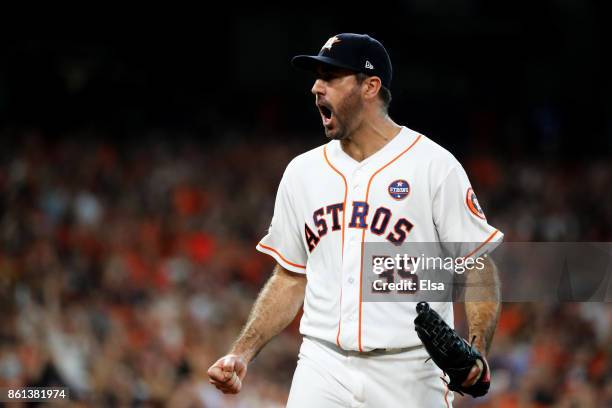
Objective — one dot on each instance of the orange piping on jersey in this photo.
(483, 244)
(281, 257)
(364, 231)
(339, 320)
(343, 218)
(345, 193)
(446, 395)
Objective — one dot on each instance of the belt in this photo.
(374, 352)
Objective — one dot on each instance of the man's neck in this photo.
(370, 137)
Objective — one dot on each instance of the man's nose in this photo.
(318, 88)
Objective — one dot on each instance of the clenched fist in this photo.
(227, 373)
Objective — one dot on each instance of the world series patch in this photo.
(399, 189)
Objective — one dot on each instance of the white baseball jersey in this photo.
(328, 205)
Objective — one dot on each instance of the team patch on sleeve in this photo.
(473, 205)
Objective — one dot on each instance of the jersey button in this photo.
(351, 280)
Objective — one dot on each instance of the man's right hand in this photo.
(227, 373)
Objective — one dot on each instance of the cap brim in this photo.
(311, 62)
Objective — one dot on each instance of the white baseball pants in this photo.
(328, 377)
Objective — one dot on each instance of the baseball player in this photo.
(374, 181)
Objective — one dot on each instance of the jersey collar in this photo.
(347, 164)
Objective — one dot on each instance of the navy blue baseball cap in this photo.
(355, 52)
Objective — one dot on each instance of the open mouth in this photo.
(326, 113)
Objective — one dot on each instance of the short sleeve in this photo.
(284, 239)
(459, 219)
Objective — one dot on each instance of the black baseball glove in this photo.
(450, 352)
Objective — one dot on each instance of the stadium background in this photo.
(137, 175)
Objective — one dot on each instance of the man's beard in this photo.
(346, 115)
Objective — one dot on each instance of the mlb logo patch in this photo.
(399, 189)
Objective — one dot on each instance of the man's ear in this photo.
(371, 86)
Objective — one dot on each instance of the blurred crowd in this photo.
(128, 266)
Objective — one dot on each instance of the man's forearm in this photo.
(482, 304)
(275, 307)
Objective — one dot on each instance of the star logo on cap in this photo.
(330, 42)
